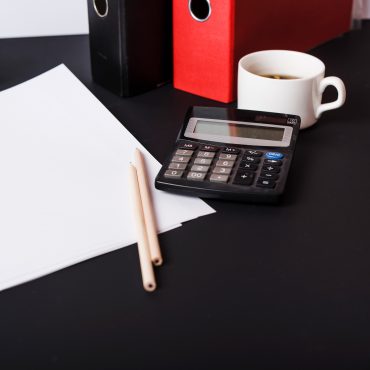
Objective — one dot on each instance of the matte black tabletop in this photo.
(250, 287)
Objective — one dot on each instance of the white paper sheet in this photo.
(63, 187)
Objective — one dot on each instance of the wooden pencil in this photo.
(149, 215)
(146, 266)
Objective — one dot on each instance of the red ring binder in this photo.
(206, 53)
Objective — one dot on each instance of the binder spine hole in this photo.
(101, 7)
(200, 10)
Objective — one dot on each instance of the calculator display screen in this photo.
(248, 131)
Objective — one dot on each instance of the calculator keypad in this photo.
(229, 157)
(271, 169)
(218, 178)
(273, 162)
(222, 170)
(265, 183)
(209, 148)
(203, 154)
(184, 152)
(175, 174)
(254, 153)
(199, 168)
(248, 166)
(180, 159)
(177, 166)
(197, 176)
(244, 178)
(231, 150)
(268, 175)
(222, 164)
(250, 159)
(190, 146)
(204, 161)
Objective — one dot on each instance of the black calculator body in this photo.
(229, 153)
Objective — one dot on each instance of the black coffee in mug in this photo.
(279, 76)
(299, 90)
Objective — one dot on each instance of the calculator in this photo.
(229, 153)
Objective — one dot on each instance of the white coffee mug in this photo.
(298, 91)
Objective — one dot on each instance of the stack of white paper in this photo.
(64, 195)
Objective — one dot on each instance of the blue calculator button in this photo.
(274, 155)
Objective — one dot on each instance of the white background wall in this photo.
(22, 18)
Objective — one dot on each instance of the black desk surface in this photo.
(250, 287)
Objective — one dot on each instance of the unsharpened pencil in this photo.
(146, 266)
(149, 215)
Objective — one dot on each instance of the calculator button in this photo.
(271, 169)
(274, 155)
(189, 146)
(204, 161)
(269, 175)
(177, 166)
(209, 148)
(266, 183)
(180, 159)
(175, 174)
(249, 158)
(244, 178)
(247, 166)
(274, 162)
(199, 168)
(196, 176)
(222, 170)
(253, 153)
(184, 152)
(205, 154)
(230, 150)
(222, 163)
(218, 178)
(230, 157)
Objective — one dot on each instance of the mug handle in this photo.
(339, 85)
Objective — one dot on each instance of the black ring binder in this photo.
(130, 44)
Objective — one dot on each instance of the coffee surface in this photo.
(279, 76)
